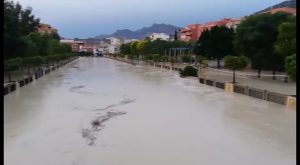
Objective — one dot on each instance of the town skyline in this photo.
(80, 19)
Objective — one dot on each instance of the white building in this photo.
(114, 41)
(112, 49)
(161, 36)
(129, 40)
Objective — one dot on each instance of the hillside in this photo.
(143, 32)
(290, 3)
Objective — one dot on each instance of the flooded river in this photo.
(96, 111)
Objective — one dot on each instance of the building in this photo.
(161, 36)
(193, 32)
(75, 45)
(129, 40)
(234, 23)
(190, 32)
(112, 49)
(282, 9)
(88, 48)
(45, 29)
(114, 41)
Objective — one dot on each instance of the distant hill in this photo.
(290, 3)
(143, 32)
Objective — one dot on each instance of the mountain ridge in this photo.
(142, 32)
(289, 3)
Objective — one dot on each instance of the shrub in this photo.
(85, 54)
(201, 59)
(164, 58)
(149, 57)
(172, 60)
(189, 71)
(186, 58)
(156, 57)
(290, 66)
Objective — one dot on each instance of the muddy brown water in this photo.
(97, 111)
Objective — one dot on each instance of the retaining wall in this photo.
(12, 86)
(289, 101)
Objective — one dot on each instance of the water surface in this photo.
(96, 111)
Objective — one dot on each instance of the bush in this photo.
(204, 63)
(290, 66)
(164, 58)
(172, 60)
(149, 57)
(85, 54)
(33, 61)
(186, 58)
(12, 64)
(156, 57)
(201, 59)
(189, 71)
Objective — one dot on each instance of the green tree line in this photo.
(24, 47)
(267, 40)
(151, 50)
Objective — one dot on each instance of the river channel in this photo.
(97, 111)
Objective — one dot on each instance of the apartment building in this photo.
(45, 29)
(75, 45)
(193, 32)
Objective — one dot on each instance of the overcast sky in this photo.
(89, 18)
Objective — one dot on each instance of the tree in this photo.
(175, 36)
(235, 63)
(28, 23)
(133, 49)
(202, 45)
(290, 66)
(140, 47)
(55, 36)
(255, 38)
(125, 49)
(286, 39)
(12, 65)
(216, 43)
(17, 23)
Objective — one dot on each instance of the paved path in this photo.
(264, 83)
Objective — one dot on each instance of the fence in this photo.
(209, 82)
(47, 71)
(39, 73)
(220, 85)
(9, 88)
(252, 92)
(239, 89)
(257, 93)
(276, 98)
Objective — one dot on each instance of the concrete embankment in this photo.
(275, 97)
(12, 86)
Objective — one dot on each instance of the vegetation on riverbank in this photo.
(267, 40)
(24, 47)
(189, 71)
